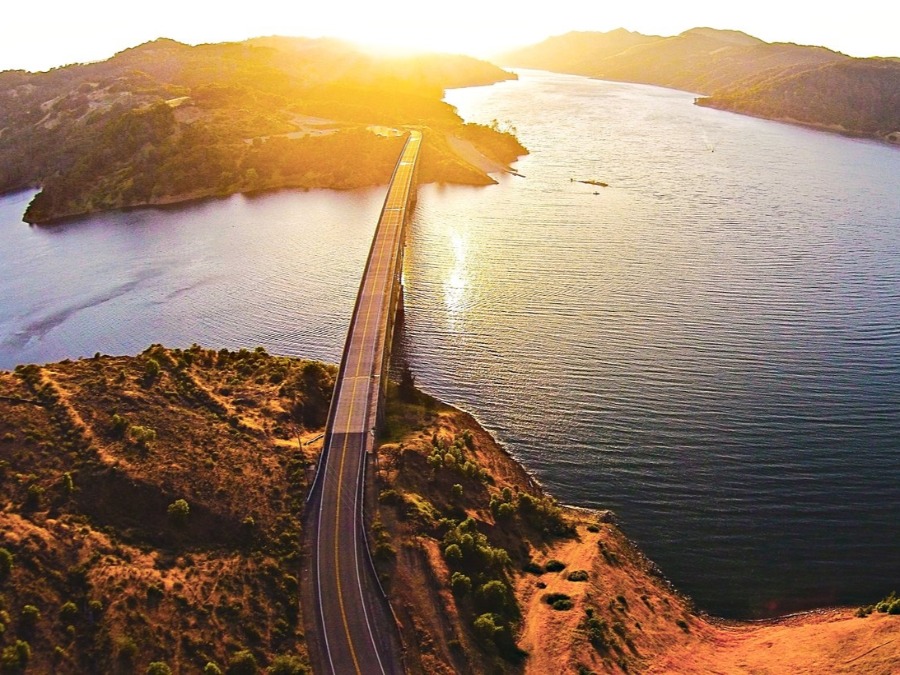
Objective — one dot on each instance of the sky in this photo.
(58, 32)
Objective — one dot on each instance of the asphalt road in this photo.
(356, 630)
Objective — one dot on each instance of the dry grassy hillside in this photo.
(150, 513)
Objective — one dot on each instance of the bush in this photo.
(494, 596)
(212, 668)
(119, 426)
(242, 663)
(142, 436)
(6, 563)
(15, 657)
(158, 668)
(558, 601)
(554, 566)
(287, 665)
(68, 612)
(30, 616)
(577, 575)
(178, 511)
(460, 584)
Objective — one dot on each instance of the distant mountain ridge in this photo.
(734, 71)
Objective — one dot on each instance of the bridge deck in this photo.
(357, 631)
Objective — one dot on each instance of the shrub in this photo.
(287, 665)
(142, 436)
(151, 370)
(158, 668)
(15, 657)
(212, 668)
(558, 601)
(126, 650)
(33, 497)
(119, 426)
(6, 563)
(494, 596)
(532, 568)
(554, 566)
(68, 611)
(577, 575)
(460, 584)
(30, 616)
(178, 511)
(242, 663)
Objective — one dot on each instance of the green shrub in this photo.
(119, 426)
(577, 575)
(460, 584)
(558, 601)
(14, 658)
(287, 665)
(242, 663)
(158, 668)
(554, 566)
(494, 596)
(33, 497)
(178, 511)
(6, 563)
(30, 616)
(142, 436)
(212, 668)
(68, 612)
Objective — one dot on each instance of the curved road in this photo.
(355, 631)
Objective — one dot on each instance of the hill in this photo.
(166, 122)
(811, 85)
(151, 508)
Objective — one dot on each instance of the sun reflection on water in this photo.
(457, 281)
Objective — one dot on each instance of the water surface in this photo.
(710, 346)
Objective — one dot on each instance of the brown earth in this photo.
(95, 452)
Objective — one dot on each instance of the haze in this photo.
(59, 32)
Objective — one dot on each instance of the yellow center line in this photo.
(378, 271)
(379, 265)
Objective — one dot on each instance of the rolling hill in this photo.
(165, 122)
(734, 71)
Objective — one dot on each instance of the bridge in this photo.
(353, 630)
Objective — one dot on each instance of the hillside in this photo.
(166, 122)
(858, 96)
(151, 509)
(737, 72)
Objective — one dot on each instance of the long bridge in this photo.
(353, 630)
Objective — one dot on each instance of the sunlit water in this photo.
(710, 346)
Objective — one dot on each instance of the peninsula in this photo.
(167, 122)
(152, 506)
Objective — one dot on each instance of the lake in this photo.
(710, 346)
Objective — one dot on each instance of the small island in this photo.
(152, 509)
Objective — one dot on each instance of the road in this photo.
(355, 629)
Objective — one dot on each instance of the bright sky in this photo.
(57, 32)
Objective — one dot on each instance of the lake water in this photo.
(710, 346)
